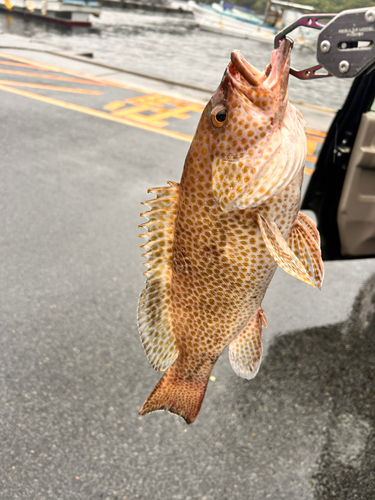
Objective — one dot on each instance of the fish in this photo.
(215, 239)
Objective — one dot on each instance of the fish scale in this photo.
(216, 238)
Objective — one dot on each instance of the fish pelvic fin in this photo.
(245, 351)
(178, 395)
(281, 251)
(304, 242)
(155, 302)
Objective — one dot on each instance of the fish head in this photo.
(247, 93)
(252, 127)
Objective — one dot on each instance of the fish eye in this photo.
(219, 116)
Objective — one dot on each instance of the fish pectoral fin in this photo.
(304, 242)
(155, 302)
(266, 172)
(281, 252)
(245, 351)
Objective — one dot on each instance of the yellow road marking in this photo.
(51, 87)
(311, 147)
(312, 142)
(101, 114)
(133, 119)
(56, 69)
(35, 64)
(159, 109)
(48, 77)
(316, 132)
(93, 112)
(314, 139)
(8, 63)
(308, 171)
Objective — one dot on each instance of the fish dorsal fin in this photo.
(281, 252)
(155, 302)
(304, 243)
(250, 180)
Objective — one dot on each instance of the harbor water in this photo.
(171, 46)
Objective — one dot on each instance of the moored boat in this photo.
(68, 12)
(232, 20)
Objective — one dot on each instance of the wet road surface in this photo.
(73, 372)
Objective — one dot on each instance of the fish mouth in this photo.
(280, 64)
(245, 77)
(252, 76)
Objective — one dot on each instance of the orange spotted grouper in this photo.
(215, 240)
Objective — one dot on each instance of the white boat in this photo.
(180, 5)
(236, 12)
(233, 21)
(68, 12)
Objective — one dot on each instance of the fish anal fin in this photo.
(245, 351)
(305, 246)
(155, 303)
(281, 252)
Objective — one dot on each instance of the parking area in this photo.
(95, 96)
(78, 155)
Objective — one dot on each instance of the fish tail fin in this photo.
(177, 395)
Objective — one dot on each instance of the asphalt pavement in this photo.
(73, 375)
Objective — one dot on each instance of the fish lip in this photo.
(280, 62)
(249, 73)
(273, 72)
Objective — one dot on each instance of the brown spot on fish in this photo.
(214, 241)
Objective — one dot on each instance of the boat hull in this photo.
(222, 22)
(52, 11)
(214, 21)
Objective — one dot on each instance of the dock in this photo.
(81, 143)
